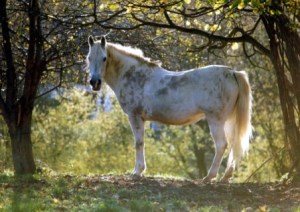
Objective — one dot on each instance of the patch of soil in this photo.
(245, 195)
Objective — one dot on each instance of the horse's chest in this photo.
(130, 97)
(131, 91)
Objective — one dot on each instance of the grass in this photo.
(121, 193)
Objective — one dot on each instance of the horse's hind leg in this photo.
(218, 134)
(229, 170)
(137, 126)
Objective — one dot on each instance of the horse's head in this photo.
(96, 60)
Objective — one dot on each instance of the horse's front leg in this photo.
(137, 126)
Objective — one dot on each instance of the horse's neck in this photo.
(117, 64)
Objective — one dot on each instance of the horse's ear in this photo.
(103, 41)
(91, 40)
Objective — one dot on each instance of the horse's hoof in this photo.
(206, 180)
(136, 175)
(225, 180)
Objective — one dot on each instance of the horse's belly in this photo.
(175, 119)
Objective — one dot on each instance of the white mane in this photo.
(128, 49)
(133, 52)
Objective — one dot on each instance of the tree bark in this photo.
(285, 56)
(200, 160)
(19, 128)
(22, 150)
(199, 152)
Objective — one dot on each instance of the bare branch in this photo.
(50, 90)
(171, 25)
(170, 22)
(157, 6)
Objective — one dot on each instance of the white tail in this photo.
(238, 128)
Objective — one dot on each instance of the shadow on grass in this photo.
(124, 193)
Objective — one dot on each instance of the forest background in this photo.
(50, 122)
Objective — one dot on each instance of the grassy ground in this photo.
(123, 193)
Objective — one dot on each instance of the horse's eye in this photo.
(104, 59)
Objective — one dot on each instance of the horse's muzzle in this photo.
(96, 84)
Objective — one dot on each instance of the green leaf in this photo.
(241, 5)
(113, 6)
(234, 4)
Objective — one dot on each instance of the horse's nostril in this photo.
(95, 83)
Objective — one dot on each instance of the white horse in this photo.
(146, 91)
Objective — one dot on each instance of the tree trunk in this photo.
(22, 151)
(199, 152)
(200, 160)
(285, 56)
(19, 127)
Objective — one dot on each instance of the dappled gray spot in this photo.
(162, 91)
(227, 74)
(139, 109)
(141, 78)
(177, 82)
(129, 74)
(162, 81)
